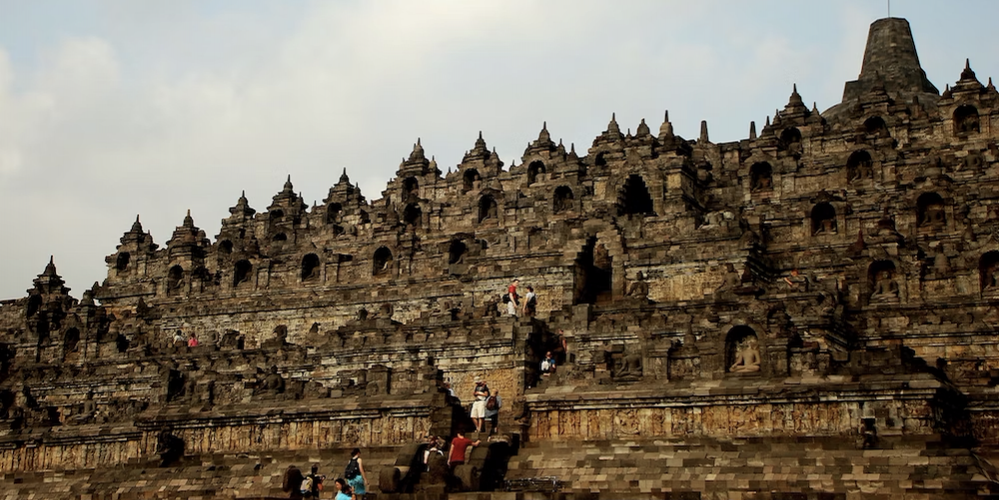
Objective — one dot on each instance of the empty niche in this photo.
(742, 350)
(310, 267)
(469, 179)
(122, 262)
(381, 261)
(412, 214)
(859, 165)
(760, 176)
(34, 304)
(823, 219)
(930, 211)
(534, 169)
(966, 119)
(563, 199)
(276, 215)
(226, 247)
(487, 208)
(634, 199)
(333, 212)
(279, 237)
(242, 271)
(988, 264)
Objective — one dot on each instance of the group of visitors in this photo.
(350, 487)
(515, 304)
(456, 453)
(180, 341)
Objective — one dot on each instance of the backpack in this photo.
(352, 470)
(506, 298)
(491, 403)
(307, 484)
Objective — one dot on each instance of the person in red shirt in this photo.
(456, 455)
(193, 341)
(512, 294)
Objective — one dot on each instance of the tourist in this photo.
(312, 483)
(192, 340)
(493, 404)
(561, 350)
(456, 455)
(354, 473)
(480, 394)
(549, 363)
(434, 445)
(344, 491)
(292, 482)
(179, 339)
(512, 303)
(530, 303)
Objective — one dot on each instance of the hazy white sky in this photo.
(114, 108)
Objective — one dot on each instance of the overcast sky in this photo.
(110, 109)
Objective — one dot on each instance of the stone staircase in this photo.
(806, 468)
(243, 476)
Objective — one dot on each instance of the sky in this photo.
(114, 108)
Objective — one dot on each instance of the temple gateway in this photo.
(807, 313)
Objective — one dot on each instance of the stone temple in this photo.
(807, 313)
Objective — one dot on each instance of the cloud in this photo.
(164, 107)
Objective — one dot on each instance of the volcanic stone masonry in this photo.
(810, 312)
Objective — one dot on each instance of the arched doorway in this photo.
(593, 273)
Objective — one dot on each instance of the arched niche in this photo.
(410, 186)
(883, 282)
(876, 126)
(456, 252)
(563, 199)
(593, 272)
(381, 261)
(279, 237)
(823, 219)
(988, 265)
(34, 304)
(600, 160)
(175, 277)
(634, 198)
(310, 267)
(469, 179)
(121, 263)
(930, 211)
(790, 139)
(412, 214)
(760, 176)
(859, 165)
(535, 168)
(225, 247)
(333, 213)
(742, 350)
(966, 119)
(71, 342)
(488, 208)
(242, 272)
(276, 215)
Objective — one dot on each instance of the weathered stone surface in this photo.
(810, 310)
